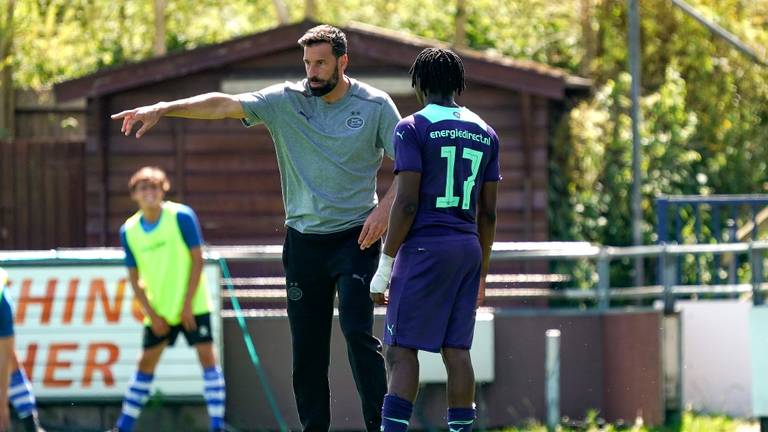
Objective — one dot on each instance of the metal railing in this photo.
(602, 293)
(718, 218)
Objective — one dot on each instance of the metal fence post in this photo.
(603, 280)
(756, 265)
(552, 378)
(731, 224)
(668, 278)
(662, 211)
(662, 229)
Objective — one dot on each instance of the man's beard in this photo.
(327, 87)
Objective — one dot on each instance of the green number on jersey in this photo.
(448, 152)
(449, 200)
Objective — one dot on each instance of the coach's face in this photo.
(323, 68)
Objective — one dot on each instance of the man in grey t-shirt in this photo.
(330, 133)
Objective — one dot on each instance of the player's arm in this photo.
(486, 228)
(376, 224)
(193, 238)
(400, 220)
(403, 210)
(140, 293)
(6, 355)
(6, 358)
(208, 106)
(187, 315)
(159, 325)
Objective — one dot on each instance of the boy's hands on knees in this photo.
(188, 318)
(160, 326)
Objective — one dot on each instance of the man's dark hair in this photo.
(326, 34)
(438, 71)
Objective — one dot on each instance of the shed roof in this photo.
(393, 47)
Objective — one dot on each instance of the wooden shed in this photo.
(228, 173)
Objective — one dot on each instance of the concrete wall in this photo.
(717, 377)
(610, 362)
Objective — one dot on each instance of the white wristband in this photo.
(380, 279)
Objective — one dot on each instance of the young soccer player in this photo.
(441, 229)
(162, 243)
(14, 384)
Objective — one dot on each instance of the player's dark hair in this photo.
(438, 72)
(326, 34)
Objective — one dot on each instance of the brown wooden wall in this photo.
(38, 116)
(42, 189)
(228, 173)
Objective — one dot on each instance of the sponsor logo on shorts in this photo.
(391, 329)
(294, 292)
(400, 134)
(360, 278)
(203, 330)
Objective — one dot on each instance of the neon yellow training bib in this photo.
(163, 262)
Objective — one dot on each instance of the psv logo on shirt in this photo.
(354, 121)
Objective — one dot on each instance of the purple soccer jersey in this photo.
(436, 275)
(455, 151)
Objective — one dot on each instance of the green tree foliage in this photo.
(101, 33)
(704, 104)
(724, 91)
(58, 40)
(704, 111)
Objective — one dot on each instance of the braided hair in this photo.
(438, 72)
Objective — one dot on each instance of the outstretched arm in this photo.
(208, 106)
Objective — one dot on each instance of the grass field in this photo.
(691, 422)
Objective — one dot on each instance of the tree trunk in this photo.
(7, 104)
(309, 10)
(460, 35)
(282, 11)
(159, 48)
(588, 37)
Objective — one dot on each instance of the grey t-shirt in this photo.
(328, 154)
